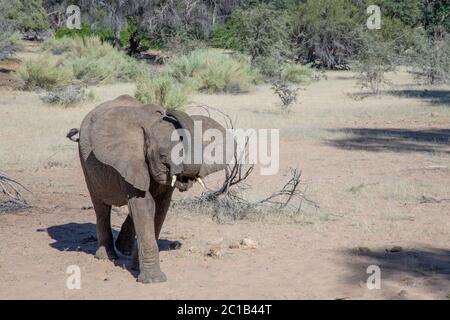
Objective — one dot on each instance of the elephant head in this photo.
(138, 142)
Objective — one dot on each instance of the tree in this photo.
(327, 31)
(407, 11)
(437, 16)
(257, 31)
(24, 15)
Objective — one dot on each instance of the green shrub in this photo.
(268, 66)
(45, 72)
(163, 90)
(375, 58)
(93, 61)
(105, 35)
(24, 15)
(296, 73)
(327, 31)
(9, 44)
(431, 58)
(256, 31)
(409, 12)
(213, 71)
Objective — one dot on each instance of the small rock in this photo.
(215, 253)
(87, 207)
(40, 230)
(106, 279)
(434, 114)
(395, 249)
(249, 243)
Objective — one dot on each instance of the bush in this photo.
(256, 31)
(213, 71)
(409, 12)
(9, 44)
(375, 58)
(67, 96)
(287, 94)
(327, 31)
(296, 73)
(24, 15)
(208, 70)
(45, 72)
(268, 66)
(163, 90)
(105, 35)
(93, 61)
(431, 58)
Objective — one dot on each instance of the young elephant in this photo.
(125, 151)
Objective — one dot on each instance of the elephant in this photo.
(125, 152)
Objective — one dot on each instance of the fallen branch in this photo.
(10, 188)
(228, 198)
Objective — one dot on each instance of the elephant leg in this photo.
(105, 243)
(125, 240)
(142, 209)
(162, 206)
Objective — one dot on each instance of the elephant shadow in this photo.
(81, 237)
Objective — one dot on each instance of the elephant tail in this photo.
(72, 133)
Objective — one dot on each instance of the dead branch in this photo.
(10, 188)
(228, 196)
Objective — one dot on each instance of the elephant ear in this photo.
(117, 139)
(209, 123)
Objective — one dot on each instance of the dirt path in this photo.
(381, 180)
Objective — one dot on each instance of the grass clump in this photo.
(213, 71)
(81, 61)
(163, 90)
(45, 72)
(296, 73)
(200, 70)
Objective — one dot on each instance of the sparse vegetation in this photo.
(9, 44)
(297, 73)
(163, 90)
(213, 71)
(431, 58)
(201, 70)
(79, 60)
(375, 58)
(67, 96)
(45, 72)
(287, 94)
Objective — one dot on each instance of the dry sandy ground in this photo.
(379, 167)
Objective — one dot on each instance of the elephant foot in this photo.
(124, 245)
(152, 277)
(105, 254)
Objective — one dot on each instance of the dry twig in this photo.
(10, 188)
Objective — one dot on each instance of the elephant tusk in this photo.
(174, 179)
(199, 180)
